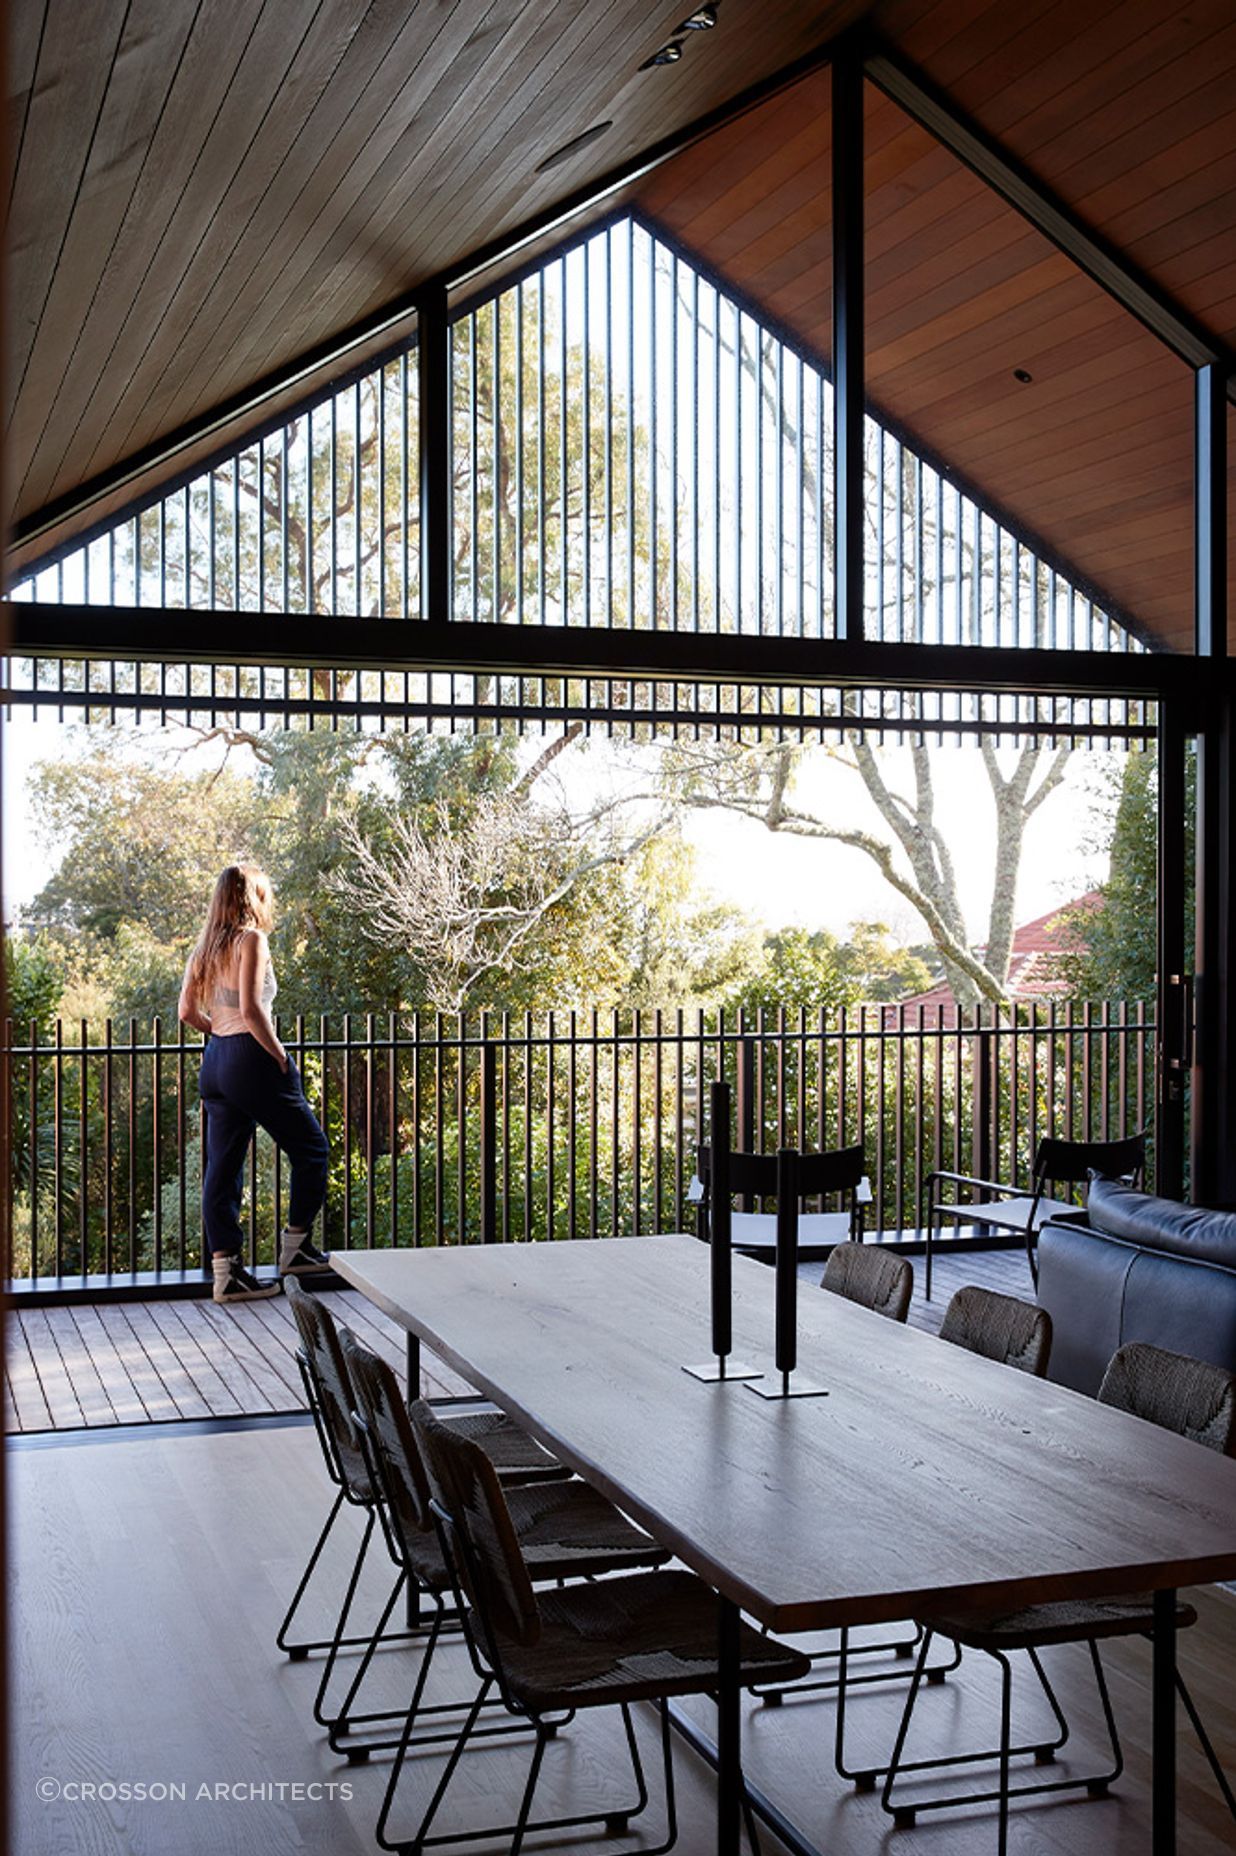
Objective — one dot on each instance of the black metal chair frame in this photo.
(301, 1648)
(1097, 1784)
(754, 1176)
(1056, 1161)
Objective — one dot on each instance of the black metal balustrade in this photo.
(500, 1128)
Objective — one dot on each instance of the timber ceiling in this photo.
(206, 191)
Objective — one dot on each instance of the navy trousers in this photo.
(242, 1088)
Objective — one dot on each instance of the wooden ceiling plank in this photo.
(508, 191)
(67, 87)
(1108, 380)
(640, 116)
(25, 28)
(154, 39)
(275, 275)
(280, 160)
(221, 34)
(1033, 327)
(1027, 100)
(356, 267)
(299, 44)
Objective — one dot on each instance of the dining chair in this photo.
(329, 1394)
(1023, 1210)
(607, 1643)
(838, 1172)
(1187, 1396)
(566, 1529)
(872, 1277)
(999, 1327)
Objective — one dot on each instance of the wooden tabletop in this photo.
(926, 1474)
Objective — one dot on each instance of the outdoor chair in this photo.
(839, 1171)
(1192, 1398)
(329, 1395)
(566, 1529)
(643, 1637)
(1021, 1210)
(999, 1327)
(872, 1277)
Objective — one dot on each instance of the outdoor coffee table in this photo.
(926, 1478)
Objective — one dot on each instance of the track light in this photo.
(703, 19)
(668, 54)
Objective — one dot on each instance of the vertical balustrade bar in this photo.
(488, 1168)
(156, 1137)
(550, 1092)
(109, 1257)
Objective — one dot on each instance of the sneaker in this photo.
(299, 1257)
(233, 1283)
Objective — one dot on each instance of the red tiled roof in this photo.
(1034, 970)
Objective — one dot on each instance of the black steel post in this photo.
(849, 385)
(746, 1057)
(983, 1158)
(1173, 1008)
(1163, 1738)
(433, 354)
(1213, 1155)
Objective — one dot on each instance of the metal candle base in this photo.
(722, 1370)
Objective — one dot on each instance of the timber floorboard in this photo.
(127, 1363)
(152, 1566)
(92, 1366)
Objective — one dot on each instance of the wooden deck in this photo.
(161, 1362)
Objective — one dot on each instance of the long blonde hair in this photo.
(243, 899)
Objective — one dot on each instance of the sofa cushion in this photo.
(1162, 1224)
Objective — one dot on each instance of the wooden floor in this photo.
(151, 1570)
(158, 1362)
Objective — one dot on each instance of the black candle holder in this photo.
(721, 1249)
(787, 1288)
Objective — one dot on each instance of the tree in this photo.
(1115, 946)
(758, 782)
(464, 896)
(804, 969)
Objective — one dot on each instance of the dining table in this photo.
(922, 1476)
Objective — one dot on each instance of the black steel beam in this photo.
(849, 388)
(1212, 1172)
(171, 635)
(1089, 250)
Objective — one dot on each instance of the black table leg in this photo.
(729, 1731)
(1163, 1841)
(414, 1365)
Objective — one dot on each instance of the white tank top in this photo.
(226, 1019)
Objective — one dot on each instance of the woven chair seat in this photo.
(510, 1450)
(567, 1528)
(634, 1639)
(1063, 1620)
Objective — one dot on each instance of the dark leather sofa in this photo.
(1137, 1268)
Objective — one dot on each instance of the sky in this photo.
(777, 879)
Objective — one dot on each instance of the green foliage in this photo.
(1115, 945)
(802, 970)
(33, 983)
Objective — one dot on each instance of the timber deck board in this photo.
(156, 1362)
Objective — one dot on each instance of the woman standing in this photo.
(248, 1080)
